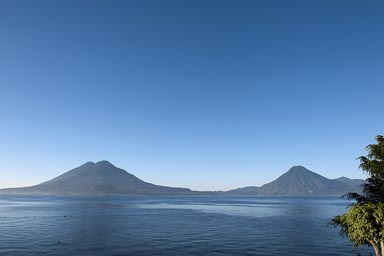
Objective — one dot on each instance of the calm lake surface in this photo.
(172, 226)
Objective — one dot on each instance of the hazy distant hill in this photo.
(97, 178)
(299, 181)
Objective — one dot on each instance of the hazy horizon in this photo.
(175, 185)
(206, 95)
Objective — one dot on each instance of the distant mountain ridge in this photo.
(103, 178)
(299, 181)
(97, 178)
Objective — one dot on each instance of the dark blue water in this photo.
(171, 226)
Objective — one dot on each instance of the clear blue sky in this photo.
(198, 94)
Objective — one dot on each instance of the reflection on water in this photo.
(171, 226)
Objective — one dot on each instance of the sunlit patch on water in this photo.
(246, 210)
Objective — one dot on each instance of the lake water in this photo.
(172, 226)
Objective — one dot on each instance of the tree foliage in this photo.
(364, 221)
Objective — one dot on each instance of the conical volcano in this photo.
(300, 181)
(98, 178)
